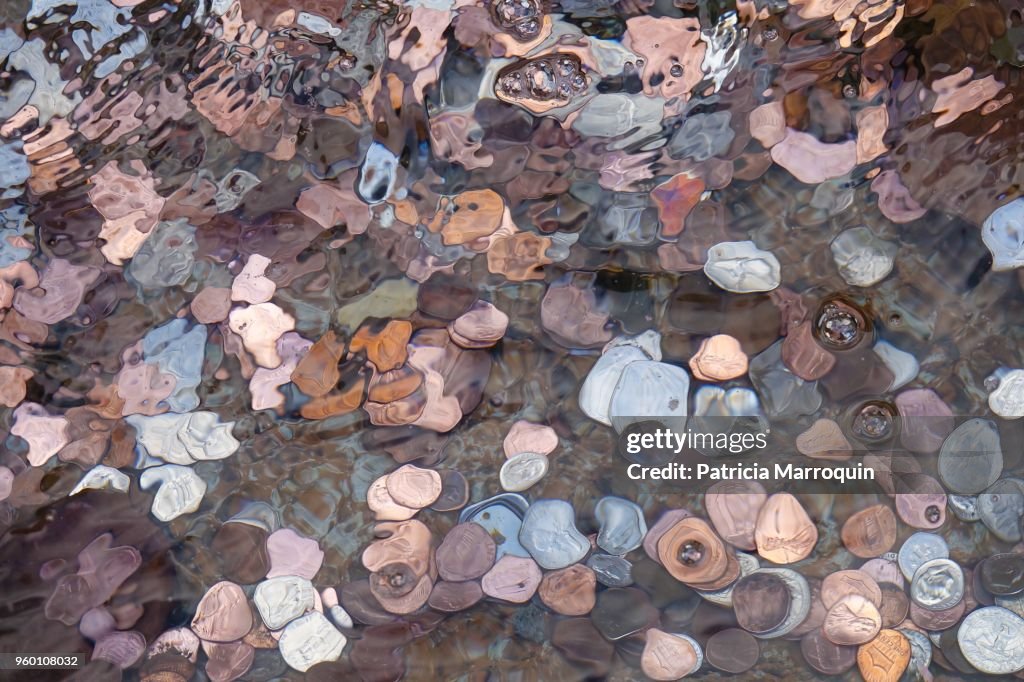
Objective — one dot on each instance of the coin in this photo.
(841, 583)
(550, 535)
(799, 601)
(919, 548)
(570, 591)
(466, 553)
(621, 611)
(884, 571)
(937, 585)
(884, 658)
(920, 501)
(920, 650)
(965, 507)
(223, 614)
(784, 532)
(894, 607)
(761, 602)
(747, 563)
(665, 522)
(692, 552)
(815, 615)
(512, 579)
(852, 620)
(937, 620)
(669, 657)
(410, 601)
(732, 651)
(611, 570)
(622, 525)
(1003, 574)
(384, 507)
(521, 472)
(870, 532)
(411, 486)
(454, 596)
(971, 459)
(824, 656)
(992, 640)
(733, 507)
(1001, 507)
(454, 491)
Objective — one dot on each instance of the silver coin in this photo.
(723, 597)
(971, 458)
(992, 640)
(1013, 602)
(622, 526)
(938, 585)
(550, 535)
(919, 548)
(920, 649)
(1000, 508)
(799, 605)
(964, 507)
(522, 471)
(611, 570)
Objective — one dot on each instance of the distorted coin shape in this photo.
(971, 458)
(454, 491)
(570, 591)
(692, 552)
(1003, 574)
(622, 525)
(732, 651)
(669, 656)
(870, 532)
(611, 570)
(784, 533)
(733, 507)
(512, 579)
(521, 472)
(454, 596)
(549, 534)
(884, 658)
(282, 599)
(852, 620)
(1001, 506)
(411, 486)
(919, 548)
(826, 657)
(841, 583)
(621, 611)
(937, 584)
(466, 553)
(223, 614)
(761, 601)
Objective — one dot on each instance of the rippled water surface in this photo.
(255, 256)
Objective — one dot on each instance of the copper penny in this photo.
(733, 507)
(514, 579)
(895, 605)
(732, 651)
(841, 583)
(411, 486)
(732, 573)
(663, 525)
(406, 541)
(870, 532)
(920, 501)
(824, 656)
(223, 614)
(884, 658)
(852, 620)
(454, 491)
(411, 601)
(784, 533)
(937, 620)
(393, 580)
(884, 571)
(451, 597)
(384, 507)
(761, 602)
(719, 358)
(692, 552)
(669, 657)
(467, 552)
(570, 591)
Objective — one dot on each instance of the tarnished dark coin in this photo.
(622, 611)
(454, 596)
(359, 601)
(732, 651)
(467, 552)
(971, 458)
(895, 605)
(579, 641)
(761, 601)
(824, 656)
(393, 581)
(454, 491)
(1003, 574)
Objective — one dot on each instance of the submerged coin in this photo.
(884, 571)
(884, 658)
(521, 472)
(570, 591)
(669, 656)
(824, 656)
(992, 640)
(1001, 507)
(611, 570)
(894, 607)
(852, 620)
(513, 579)
(799, 604)
(619, 612)
(761, 602)
(919, 548)
(937, 620)
(920, 501)
(733, 507)
(965, 507)
(466, 553)
(411, 486)
(937, 585)
(454, 491)
(454, 596)
(841, 583)
(622, 525)
(692, 552)
(665, 523)
(732, 651)
(971, 459)
(870, 532)
(784, 533)
(1003, 574)
(549, 534)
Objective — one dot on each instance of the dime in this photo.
(466, 553)
(411, 486)
(919, 548)
(669, 656)
(761, 601)
(549, 534)
(784, 533)
(309, 640)
(732, 651)
(884, 658)
(1001, 507)
(852, 620)
(569, 591)
(841, 583)
(733, 507)
(992, 640)
(937, 585)
(1003, 574)
(521, 472)
(824, 656)
(283, 599)
(611, 570)
(920, 649)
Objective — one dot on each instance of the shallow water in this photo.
(258, 210)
